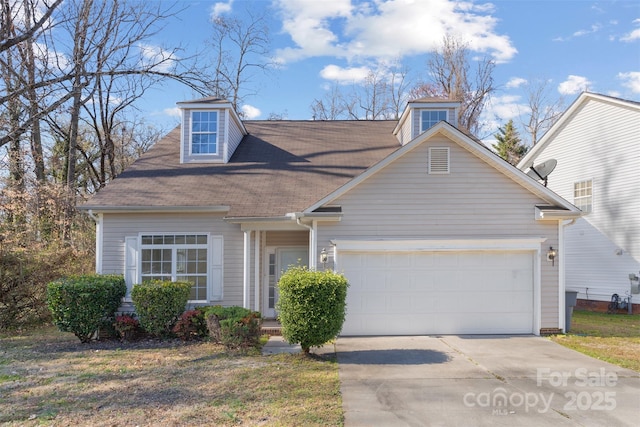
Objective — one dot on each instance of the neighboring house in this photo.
(597, 146)
(435, 233)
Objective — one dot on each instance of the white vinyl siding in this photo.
(475, 201)
(225, 239)
(600, 141)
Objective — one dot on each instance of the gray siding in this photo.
(474, 201)
(601, 142)
(119, 226)
(186, 140)
(234, 137)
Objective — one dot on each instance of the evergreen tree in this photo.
(509, 146)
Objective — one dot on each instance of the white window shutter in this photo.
(439, 160)
(215, 269)
(130, 263)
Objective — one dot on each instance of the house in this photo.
(596, 144)
(434, 232)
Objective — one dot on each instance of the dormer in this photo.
(211, 131)
(423, 113)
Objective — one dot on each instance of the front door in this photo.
(278, 261)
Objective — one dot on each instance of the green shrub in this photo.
(233, 326)
(80, 304)
(159, 304)
(312, 306)
(191, 325)
(241, 333)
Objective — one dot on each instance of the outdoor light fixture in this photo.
(551, 255)
(323, 256)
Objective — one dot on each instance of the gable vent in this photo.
(438, 160)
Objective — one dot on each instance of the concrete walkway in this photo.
(277, 345)
(481, 381)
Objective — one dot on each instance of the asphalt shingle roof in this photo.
(280, 167)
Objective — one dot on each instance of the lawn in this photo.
(48, 377)
(614, 338)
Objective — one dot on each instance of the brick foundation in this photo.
(602, 306)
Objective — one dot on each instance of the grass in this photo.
(614, 338)
(48, 377)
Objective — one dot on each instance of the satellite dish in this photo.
(542, 171)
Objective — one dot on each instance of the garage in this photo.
(439, 292)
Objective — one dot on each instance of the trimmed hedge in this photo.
(312, 306)
(80, 304)
(159, 304)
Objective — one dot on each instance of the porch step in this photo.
(271, 328)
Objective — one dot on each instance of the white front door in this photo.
(278, 260)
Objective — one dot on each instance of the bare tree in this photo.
(450, 69)
(9, 9)
(241, 47)
(543, 110)
(330, 107)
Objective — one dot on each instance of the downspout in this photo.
(256, 273)
(313, 247)
(562, 272)
(246, 279)
(98, 220)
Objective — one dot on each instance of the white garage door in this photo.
(414, 293)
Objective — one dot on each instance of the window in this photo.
(204, 132)
(177, 257)
(438, 160)
(583, 195)
(429, 118)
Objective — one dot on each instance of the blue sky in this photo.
(575, 45)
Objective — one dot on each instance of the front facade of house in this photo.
(597, 147)
(434, 232)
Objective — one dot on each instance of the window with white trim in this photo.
(429, 118)
(583, 195)
(204, 132)
(177, 257)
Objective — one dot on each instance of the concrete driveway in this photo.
(481, 381)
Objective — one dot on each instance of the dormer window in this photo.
(204, 132)
(429, 118)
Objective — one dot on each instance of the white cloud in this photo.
(152, 54)
(633, 35)
(574, 85)
(344, 75)
(594, 29)
(173, 112)
(250, 112)
(630, 80)
(387, 28)
(220, 8)
(507, 107)
(516, 82)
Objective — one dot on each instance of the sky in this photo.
(574, 45)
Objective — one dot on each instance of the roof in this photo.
(471, 144)
(279, 167)
(537, 149)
